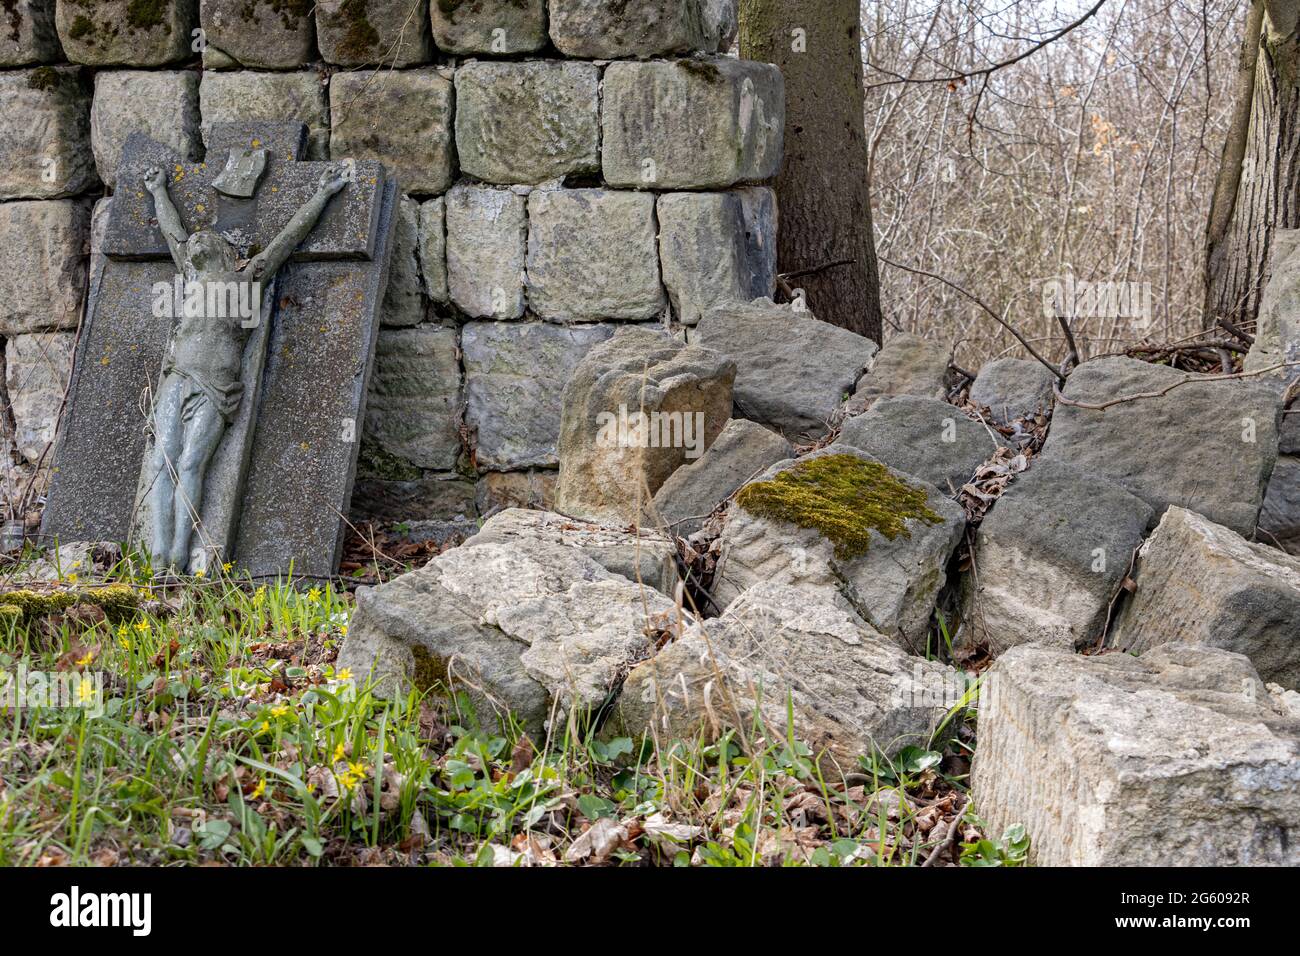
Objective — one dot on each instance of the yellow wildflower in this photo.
(258, 790)
(345, 674)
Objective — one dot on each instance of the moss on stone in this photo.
(38, 603)
(117, 601)
(44, 78)
(430, 672)
(81, 27)
(360, 36)
(843, 497)
(703, 69)
(10, 614)
(375, 462)
(147, 14)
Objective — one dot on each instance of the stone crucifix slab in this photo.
(278, 484)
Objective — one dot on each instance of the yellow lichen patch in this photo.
(115, 600)
(843, 497)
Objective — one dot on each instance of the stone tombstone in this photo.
(279, 483)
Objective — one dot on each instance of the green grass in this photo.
(227, 735)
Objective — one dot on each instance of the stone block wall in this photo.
(568, 165)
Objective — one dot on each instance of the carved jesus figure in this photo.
(201, 388)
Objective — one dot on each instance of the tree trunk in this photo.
(1258, 188)
(823, 190)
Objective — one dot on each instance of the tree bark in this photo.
(823, 190)
(1258, 188)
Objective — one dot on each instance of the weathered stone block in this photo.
(1277, 328)
(1050, 556)
(257, 34)
(27, 33)
(45, 134)
(401, 118)
(716, 249)
(1158, 447)
(1014, 388)
(924, 437)
(892, 584)
(793, 371)
(907, 365)
(525, 626)
(692, 124)
(1279, 519)
(527, 122)
(244, 96)
(443, 502)
(592, 255)
(1179, 757)
(635, 409)
(389, 33)
(850, 690)
(489, 26)
(126, 32)
(413, 411)
(37, 367)
(433, 248)
(487, 233)
(514, 377)
(643, 556)
(404, 297)
(742, 452)
(43, 276)
(163, 105)
(498, 490)
(1201, 583)
(599, 30)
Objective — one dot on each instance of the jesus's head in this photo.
(209, 254)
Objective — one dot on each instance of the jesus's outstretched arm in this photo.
(267, 262)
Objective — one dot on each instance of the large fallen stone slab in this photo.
(637, 407)
(839, 520)
(1208, 445)
(256, 36)
(1012, 388)
(43, 278)
(640, 555)
(1050, 557)
(780, 649)
(691, 124)
(1202, 583)
(792, 370)
(924, 437)
(907, 365)
(530, 627)
(742, 452)
(1180, 757)
(126, 32)
(44, 134)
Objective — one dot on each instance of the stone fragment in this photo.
(1050, 556)
(907, 365)
(527, 122)
(126, 32)
(1179, 757)
(413, 411)
(244, 96)
(1279, 518)
(45, 134)
(43, 277)
(164, 105)
(489, 26)
(404, 297)
(792, 370)
(499, 490)
(1201, 583)
(780, 651)
(27, 33)
(598, 30)
(635, 409)
(1014, 388)
(403, 118)
(742, 452)
(691, 124)
(433, 248)
(388, 33)
(640, 555)
(37, 366)
(514, 376)
(487, 233)
(592, 255)
(892, 585)
(1208, 445)
(525, 626)
(713, 253)
(924, 437)
(257, 34)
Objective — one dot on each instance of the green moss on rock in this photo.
(147, 14)
(430, 672)
(81, 27)
(361, 37)
(44, 78)
(38, 603)
(117, 601)
(843, 497)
